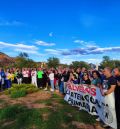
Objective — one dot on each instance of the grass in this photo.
(20, 117)
(17, 91)
(1, 101)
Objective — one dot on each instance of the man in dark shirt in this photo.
(66, 75)
(110, 81)
(109, 84)
(117, 96)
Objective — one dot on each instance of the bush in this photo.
(17, 91)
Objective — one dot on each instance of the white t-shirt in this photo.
(51, 76)
(25, 73)
(34, 74)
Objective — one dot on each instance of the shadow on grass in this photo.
(59, 117)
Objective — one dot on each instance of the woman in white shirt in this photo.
(34, 77)
(51, 77)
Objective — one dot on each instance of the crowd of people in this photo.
(57, 79)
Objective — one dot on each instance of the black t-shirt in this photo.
(86, 82)
(108, 82)
(66, 76)
(118, 78)
(117, 89)
(19, 75)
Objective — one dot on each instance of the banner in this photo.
(89, 98)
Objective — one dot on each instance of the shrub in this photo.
(17, 91)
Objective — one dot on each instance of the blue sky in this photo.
(69, 29)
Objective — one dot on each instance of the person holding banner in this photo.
(117, 96)
(73, 78)
(109, 89)
(110, 81)
(86, 79)
(97, 82)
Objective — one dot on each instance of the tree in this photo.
(106, 58)
(116, 63)
(107, 62)
(64, 65)
(53, 62)
(23, 55)
(77, 64)
(23, 61)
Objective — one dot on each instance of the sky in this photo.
(71, 30)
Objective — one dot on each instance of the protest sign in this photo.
(89, 98)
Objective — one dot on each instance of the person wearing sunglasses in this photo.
(86, 79)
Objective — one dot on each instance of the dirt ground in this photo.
(30, 101)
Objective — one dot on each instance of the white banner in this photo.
(91, 100)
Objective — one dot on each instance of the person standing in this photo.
(97, 82)
(45, 79)
(86, 79)
(8, 79)
(19, 77)
(110, 81)
(117, 96)
(12, 76)
(66, 75)
(109, 85)
(39, 78)
(51, 77)
(2, 79)
(28, 78)
(25, 76)
(83, 70)
(61, 82)
(56, 79)
(78, 72)
(34, 77)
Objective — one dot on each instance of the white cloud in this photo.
(53, 51)
(51, 34)
(85, 44)
(22, 50)
(57, 51)
(66, 61)
(79, 41)
(42, 43)
(94, 60)
(19, 45)
(10, 23)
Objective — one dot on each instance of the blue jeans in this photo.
(52, 84)
(61, 87)
(7, 83)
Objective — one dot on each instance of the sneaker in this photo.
(51, 90)
(45, 89)
(105, 126)
(98, 119)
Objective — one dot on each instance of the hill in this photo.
(6, 60)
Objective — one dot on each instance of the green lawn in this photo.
(56, 115)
